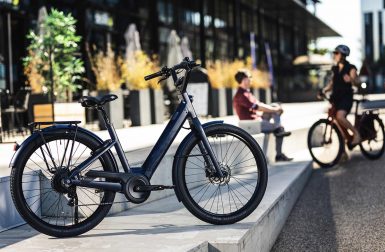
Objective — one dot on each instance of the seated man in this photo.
(246, 106)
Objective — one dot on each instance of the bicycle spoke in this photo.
(223, 196)
(49, 205)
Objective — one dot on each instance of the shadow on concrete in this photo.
(16, 235)
(310, 226)
(163, 228)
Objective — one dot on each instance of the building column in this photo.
(236, 25)
(202, 35)
(9, 45)
(278, 68)
(154, 21)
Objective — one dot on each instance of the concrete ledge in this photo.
(165, 225)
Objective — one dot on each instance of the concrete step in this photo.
(165, 225)
(10, 218)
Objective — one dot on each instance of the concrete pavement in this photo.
(341, 209)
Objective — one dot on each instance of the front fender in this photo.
(54, 129)
(180, 149)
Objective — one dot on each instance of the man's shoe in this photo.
(282, 134)
(282, 158)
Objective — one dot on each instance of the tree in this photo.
(53, 56)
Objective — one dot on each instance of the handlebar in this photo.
(152, 76)
(166, 72)
(322, 95)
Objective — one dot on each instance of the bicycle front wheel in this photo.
(325, 143)
(222, 200)
(37, 191)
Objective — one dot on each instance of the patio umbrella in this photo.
(40, 20)
(41, 31)
(174, 55)
(185, 47)
(132, 41)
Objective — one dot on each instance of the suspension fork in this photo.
(205, 147)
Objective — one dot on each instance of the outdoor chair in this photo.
(20, 107)
(6, 112)
(15, 114)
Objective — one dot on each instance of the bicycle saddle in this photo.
(91, 101)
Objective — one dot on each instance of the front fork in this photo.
(205, 147)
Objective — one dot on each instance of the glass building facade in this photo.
(216, 29)
(373, 45)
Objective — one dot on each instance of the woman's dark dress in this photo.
(342, 96)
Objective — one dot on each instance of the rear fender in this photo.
(65, 128)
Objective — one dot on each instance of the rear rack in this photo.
(37, 125)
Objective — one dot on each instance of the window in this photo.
(368, 30)
(165, 12)
(2, 56)
(380, 34)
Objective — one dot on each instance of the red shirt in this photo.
(245, 104)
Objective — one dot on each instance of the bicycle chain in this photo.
(103, 204)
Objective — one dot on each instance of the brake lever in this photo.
(163, 78)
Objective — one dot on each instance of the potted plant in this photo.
(53, 65)
(133, 71)
(106, 67)
(229, 82)
(261, 82)
(217, 93)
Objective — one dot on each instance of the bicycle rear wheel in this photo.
(325, 143)
(222, 200)
(373, 147)
(36, 186)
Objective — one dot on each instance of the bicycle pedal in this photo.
(146, 188)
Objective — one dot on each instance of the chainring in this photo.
(133, 195)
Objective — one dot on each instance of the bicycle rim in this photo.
(229, 196)
(324, 143)
(45, 202)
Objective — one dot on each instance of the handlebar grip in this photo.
(152, 76)
(185, 64)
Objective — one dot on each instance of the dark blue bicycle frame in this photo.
(184, 111)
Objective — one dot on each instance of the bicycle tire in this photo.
(312, 134)
(236, 179)
(40, 219)
(367, 153)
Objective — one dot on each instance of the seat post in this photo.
(104, 115)
(114, 137)
(109, 126)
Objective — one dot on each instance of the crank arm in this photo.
(147, 188)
